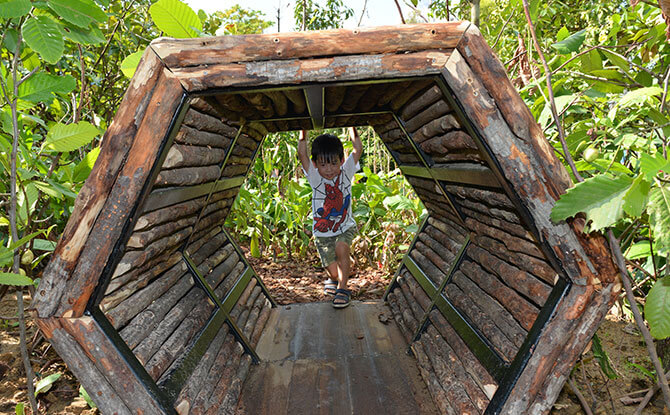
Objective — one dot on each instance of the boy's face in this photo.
(328, 168)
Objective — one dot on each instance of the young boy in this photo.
(330, 177)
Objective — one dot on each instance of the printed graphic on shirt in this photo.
(334, 206)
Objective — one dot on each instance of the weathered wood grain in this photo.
(435, 127)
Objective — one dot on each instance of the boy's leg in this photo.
(342, 263)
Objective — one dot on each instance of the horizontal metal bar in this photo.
(171, 195)
(472, 174)
(476, 343)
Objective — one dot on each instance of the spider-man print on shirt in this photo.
(335, 206)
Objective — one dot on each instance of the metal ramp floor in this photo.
(319, 360)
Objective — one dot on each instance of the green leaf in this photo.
(45, 383)
(10, 9)
(563, 33)
(600, 197)
(6, 256)
(175, 18)
(617, 60)
(83, 169)
(640, 96)
(47, 189)
(78, 12)
(87, 398)
(603, 359)
(657, 308)
(129, 64)
(651, 165)
(26, 201)
(591, 61)
(9, 278)
(20, 409)
(253, 246)
(659, 217)
(44, 36)
(44, 245)
(41, 86)
(570, 44)
(636, 198)
(85, 36)
(561, 102)
(638, 250)
(68, 137)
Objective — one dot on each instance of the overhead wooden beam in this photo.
(315, 105)
(180, 53)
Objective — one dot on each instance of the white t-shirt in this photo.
(331, 199)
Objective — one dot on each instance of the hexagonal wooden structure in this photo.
(147, 297)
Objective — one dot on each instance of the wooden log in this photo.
(397, 315)
(260, 323)
(492, 308)
(116, 144)
(452, 141)
(430, 377)
(448, 378)
(239, 160)
(446, 246)
(260, 102)
(487, 197)
(448, 160)
(502, 214)
(522, 282)
(279, 102)
(412, 304)
(448, 227)
(203, 104)
(438, 210)
(195, 137)
(203, 243)
(187, 176)
(108, 359)
(393, 91)
(198, 377)
(144, 238)
(394, 135)
(234, 170)
(504, 226)
(216, 218)
(454, 375)
(228, 376)
(417, 292)
(539, 268)
(166, 214)
(521, 309)
(202, 122)
(408, 158)
(433, 257)
(422, 101)
(353, 96)
(153, 267)
(473, 367)
(297, 98)
(434, 273)
(254, 313)
(369, 100)
(188, 156)
(257, 128)
(436, 110)
(229, 402)
(334, 96)
(438, 126)
(134, 259)
(479, 319)
(78, 361)
(416, 87)
(511, 242)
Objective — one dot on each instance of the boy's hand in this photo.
(303, 135)
(358, 145)
(302, 150)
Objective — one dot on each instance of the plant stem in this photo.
(579, 395)
(661, 378)
(554, 113)
(402, 18)
(24, 351)
(648, 396)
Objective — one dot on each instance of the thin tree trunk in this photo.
(474, 12)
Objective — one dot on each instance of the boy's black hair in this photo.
(327, 147)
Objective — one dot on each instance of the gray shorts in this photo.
(326, 244)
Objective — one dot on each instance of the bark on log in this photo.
(522, 310)
(434, 273)
(421, 102)
(448, 160)
(116, 144)
(511, 242)
(151, 268)
(229, 402)
(187, 176)
(234, 170)
(261, 322)
(522, 282)
(192, 136)
(228, 382)
(417, 292)
(354, 95)
(429, 376)
(297, 98)
(371, 97)
(279, 102)
(436, 127)
(486, 197)
(433, 257)
(141, 239)
(448, 227)
(491, 307)
(393, 90)
(436, 110)
(472, 366)
(416, 87)
(334, 96)
(200, 122)
(482, 322)
(397, 315)
(261, 103)
(453, 141)
(412, 304)
(495, 212)
(191, 156)
(446, 246)
(135, 259)
(172, 212)
(203, 104)
(504, 226)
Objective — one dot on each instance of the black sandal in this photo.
(329, 287)
(342, 298)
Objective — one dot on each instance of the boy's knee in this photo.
(342, 250)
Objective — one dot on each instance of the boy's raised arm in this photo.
(358, 145)
(302, 150)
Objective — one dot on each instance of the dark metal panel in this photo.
(169, 196)
(314, 97)
(472, 174)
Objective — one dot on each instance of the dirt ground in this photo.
(301, 281)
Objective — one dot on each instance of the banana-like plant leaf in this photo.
(41, 86)
(10, 9)
(659, 217)
(78, 12)
(175, 18)
(44, 36)
(657, 308)
(68, 137)
(600, 197)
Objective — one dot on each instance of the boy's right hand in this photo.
(303, 135)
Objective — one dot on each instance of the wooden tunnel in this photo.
(155, 309)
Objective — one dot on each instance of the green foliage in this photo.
(86, 397)
(657, 308)
(175, 18)
(68, 137)
(8, 278)
(235, 21)
(603, 359)
(44, 36)
(45, 384)
(316, 17)
(570, 44)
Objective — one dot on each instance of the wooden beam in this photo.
(179, 53)
(164, 197)
(315, 105)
